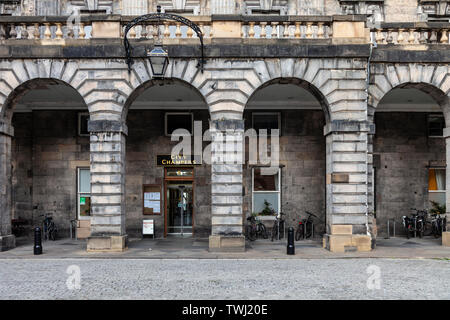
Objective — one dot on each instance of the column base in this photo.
(446, 239)
(347, 243)
(107, 243)
(7, 242)
(219, 243)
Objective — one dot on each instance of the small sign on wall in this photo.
(151, 199)
(148, 227)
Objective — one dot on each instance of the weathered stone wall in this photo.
(405, 151)
(46, 153)
(302, 157)
(146, 140)
(400, 10)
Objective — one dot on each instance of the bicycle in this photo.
(438, 225)
(255, 229)
(278, 227)
(415, 224)
(49, 227)
(305, 227)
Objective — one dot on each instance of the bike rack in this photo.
(388, 228)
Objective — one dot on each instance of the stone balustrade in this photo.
(168, 29)
(411, 33)
(45, 28)
(315, 28)
(281, 27)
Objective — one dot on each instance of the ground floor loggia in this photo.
(53, 155)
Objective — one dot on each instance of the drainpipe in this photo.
(372, 44)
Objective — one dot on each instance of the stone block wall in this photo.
(405, 151)
(302, 157)
(146, 140)
(46, 153)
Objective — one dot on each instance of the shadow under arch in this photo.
(302, 84)
(20, 91)
(434, 92)
(154, 83)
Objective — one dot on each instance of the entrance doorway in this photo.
(179, 195)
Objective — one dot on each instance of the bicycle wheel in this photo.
(281, 229)
(274, 231)
(250, 233)
(434, 230)
(308, 231)
(262, 231)
(299, 232)
(419, 229)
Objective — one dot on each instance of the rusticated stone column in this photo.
(446, 235)
(348, 188)
(7, 239)
(107, 186)
(226, 185)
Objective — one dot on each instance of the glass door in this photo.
(179, 199)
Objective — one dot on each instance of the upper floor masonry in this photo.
(376, 10)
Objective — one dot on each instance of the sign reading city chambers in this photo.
(168, 160)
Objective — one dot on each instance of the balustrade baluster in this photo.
(274, 33)
(23, 31)
(297, 32)
(13, 32)
(251, 30)
(178, 30)
(400, 38)
(320, 30)
(444, 37)
(81, 32)
(433, 36)
(422, 37)
(263, 29)
(411, 38)
(309, 32)
(47, 32)
(286, 30)
(58, 32)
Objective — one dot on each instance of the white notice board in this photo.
(148, 227)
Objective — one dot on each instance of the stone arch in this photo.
(151, 83)
(433, 80)
(184, 72)
(102, 86)
(303, 84)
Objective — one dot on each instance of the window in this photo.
(84, 193)
(436, 185)
(266, 120)
(83, 119)
(436, 125)
(266, 191)
(178, 120)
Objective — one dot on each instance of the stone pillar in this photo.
(107, 186)
(7, 239)
(226, 186)
(347, 186)
(446, 235)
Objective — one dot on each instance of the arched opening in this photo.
(177, 196)
(408, 154)
(300, 113)
(49, 156)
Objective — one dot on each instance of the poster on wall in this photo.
(151, 199)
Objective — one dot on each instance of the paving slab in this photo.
(194, 248)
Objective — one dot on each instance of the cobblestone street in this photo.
(226, 279)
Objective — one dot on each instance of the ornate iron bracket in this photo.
(161, 16)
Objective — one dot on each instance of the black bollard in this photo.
(290, 244)
(37, 241)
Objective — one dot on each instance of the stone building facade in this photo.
(358, 89)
